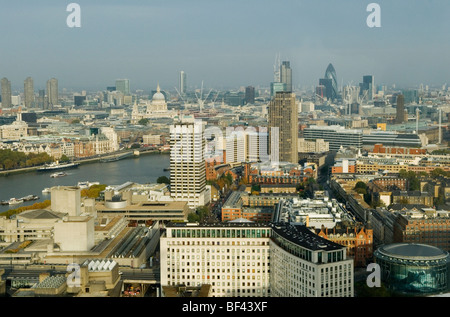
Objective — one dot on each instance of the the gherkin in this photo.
(330, 73)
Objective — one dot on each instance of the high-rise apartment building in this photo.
(283, 114)
(246, 259)
(187, 163)
(52, 92)
(123, 86)
(182, 82)
(6, 93)
(28, 89)
(286, 75)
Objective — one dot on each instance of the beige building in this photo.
(14, 131)
(313, 146)
(151, 139)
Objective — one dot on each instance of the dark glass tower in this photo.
(330, 73)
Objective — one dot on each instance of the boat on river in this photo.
(59, 174)
(57, 166)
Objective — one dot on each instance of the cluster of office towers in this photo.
(46, 99)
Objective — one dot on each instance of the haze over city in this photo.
(223, 43)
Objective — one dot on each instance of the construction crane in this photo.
(200, 100)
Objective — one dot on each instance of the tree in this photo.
(64, 158)
(143, 121)
(163, 180)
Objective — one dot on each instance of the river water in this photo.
(144, 169)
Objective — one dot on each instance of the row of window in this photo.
(220, 233)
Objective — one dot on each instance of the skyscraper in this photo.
(367, 87)
(182, 82)
(286, 75)
(52, 92)
(250, 94)
(328, 84)
(123, 85)
(28, 89)
(401, 115)
(187, 163)
(283, 114)
(41, 99)
(330, 73)
(6, 93)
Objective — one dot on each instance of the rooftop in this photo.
(304, 237)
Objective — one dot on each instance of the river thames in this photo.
(144, 169)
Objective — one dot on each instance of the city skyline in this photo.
(224, 44)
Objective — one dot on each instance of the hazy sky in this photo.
(225, 43)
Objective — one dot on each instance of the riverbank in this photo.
(85, 161)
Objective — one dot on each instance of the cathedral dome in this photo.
(158, 96)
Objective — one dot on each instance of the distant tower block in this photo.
(66, 199)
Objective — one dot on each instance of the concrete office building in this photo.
(187, 163)
(234, 259)
(303, 264)
(336, 136)
(283, 114)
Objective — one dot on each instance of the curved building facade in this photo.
(330, 73)
(416, 269)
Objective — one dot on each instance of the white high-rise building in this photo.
(187, 163)
(182, 82)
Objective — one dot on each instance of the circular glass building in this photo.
(416, 269)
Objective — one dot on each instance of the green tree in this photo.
(64, 158)
(163, 180)
(143, 121)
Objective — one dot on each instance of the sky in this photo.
(223, 43)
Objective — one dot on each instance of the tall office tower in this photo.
(41, 99)
(187, 163)
(330, 73)
(283, 114)
(250, 95)
(28, 89)
(182, 82)
(286, 75)
(328, 84)
(6, 93)
(367, 87)
(401, 115)
(52, 92)
(123, 85)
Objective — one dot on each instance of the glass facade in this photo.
(418, 276)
